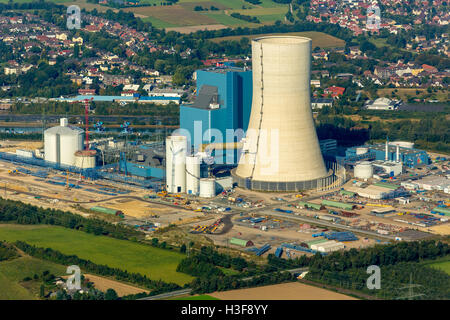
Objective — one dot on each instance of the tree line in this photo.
(157, 286)
(22, 213)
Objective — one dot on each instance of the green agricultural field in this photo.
(14, 271)
(319, 39)
(443, 265)
(227, 20)
(153, 262)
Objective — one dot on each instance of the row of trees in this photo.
(168, 117)
(205, 263)
(430, 283)
(7, 252)
(22, 213)
(157, 286)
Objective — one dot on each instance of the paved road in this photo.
(187, 291)
(166, 295)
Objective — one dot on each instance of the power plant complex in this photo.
(248, 128)
(280, 151)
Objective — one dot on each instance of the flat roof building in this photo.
(222, 105)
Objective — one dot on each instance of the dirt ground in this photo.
(443, 229)
(11, 146)
(122, 289)
(285, 291)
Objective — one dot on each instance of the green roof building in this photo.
(336, 204)
(241, 242)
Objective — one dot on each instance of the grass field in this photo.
(403, 93)
(174, 15)
(183, 14)
(441, 264)
(14, 271)
(227, 20)
(319, 39)
(153, 262)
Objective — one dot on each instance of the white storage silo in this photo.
(192, 175)
(363, 170)
(85, 159)
(176, 147)
(207, 187)
(61, 143)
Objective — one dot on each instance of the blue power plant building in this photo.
(410, 157)
(222, 106)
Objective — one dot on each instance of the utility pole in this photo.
(410, 287)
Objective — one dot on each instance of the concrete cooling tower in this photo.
(281, 150)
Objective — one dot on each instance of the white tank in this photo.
(176, 147)
(363, 170)
(207, 187)
(281, 140)
(361, 150)
(192, 175)
(403, 144)
(61, 143)
(85, 159)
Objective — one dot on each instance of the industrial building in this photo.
(409, 157)
(382, 104)
(223, 102)
(328, 146)
(281, 103)
(379, 191)
(438, 183)
(62, 142)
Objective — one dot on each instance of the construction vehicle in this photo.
(162, 194)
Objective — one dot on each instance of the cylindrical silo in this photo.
(85, 159)
(176, 147)
(363, 170)
(61, 143)
(281, 150)
(192, 175)
(207, 187)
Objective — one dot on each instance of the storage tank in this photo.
(85, 159)
(281, 150)
(361, 150)
(207, 187)
(61, 143)
(403, 144)
(176, 147)
(192, 175)
(363, 170)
